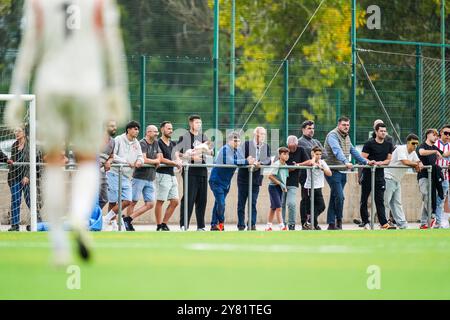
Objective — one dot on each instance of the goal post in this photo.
(31, 99)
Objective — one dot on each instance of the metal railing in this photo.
(251, 169)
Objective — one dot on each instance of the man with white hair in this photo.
(74, 53)
(260, 151)
(297, 157)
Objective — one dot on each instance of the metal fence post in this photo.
(250, 190)
(430, 206)
(372, 196)
(185, 194)
(119, 199)
(312, 199)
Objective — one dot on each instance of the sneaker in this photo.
(317, 227)
(437, 226)
(127, 223)
(268, 228)
(14, 227)
(433, 222)
(366, 226)
(28, 227)
(331, 226)
(358, 222)
(214, 228)
(284, 228)
(362, 225)
(182, 228)
(291, 227)
(115, 226)
(221, 226)
(339, 224)
(306, 226)
(387, 226)
(164, 227)
(201, 229)
(158, 227)
(241, 228)
(253, 228)
(105, 222)
(423, 226)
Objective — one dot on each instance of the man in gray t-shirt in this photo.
(142, 182)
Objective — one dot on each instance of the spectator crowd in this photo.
(147, 170)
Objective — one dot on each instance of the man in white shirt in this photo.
(404, 155)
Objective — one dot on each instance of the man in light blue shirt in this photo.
(220, 178)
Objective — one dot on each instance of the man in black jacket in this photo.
(260, 151)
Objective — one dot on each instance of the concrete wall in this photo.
(411, 198)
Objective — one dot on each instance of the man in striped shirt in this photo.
(443, 144)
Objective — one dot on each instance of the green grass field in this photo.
(414, 264)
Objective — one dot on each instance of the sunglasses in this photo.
(447, 133)
(414, 143)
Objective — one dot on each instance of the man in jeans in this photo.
(338, 148)
(297, 156)
(127, 151)
(443, 145)
(260, 151)
(404, 155)
(428, 154)
(221, 177)
(142, 183)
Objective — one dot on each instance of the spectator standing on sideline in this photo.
(319, 182)
(277, 186)
(403, 155)
(106, 158)
(380, 151)
(166, 182)
(372, 134)
(220, 178)
(127, 151)
(19, 176)
(443, 145)
(429, 154)
(307, 142)
(192, 147)
(339, 147)
(297, 156)
(260, 151)
(142, 182)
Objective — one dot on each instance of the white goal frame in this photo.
(31, 98)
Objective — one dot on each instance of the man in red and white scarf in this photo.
(443, 143)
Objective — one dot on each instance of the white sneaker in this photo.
(105, 222)
(115, 226)
(201, 229)
(367, 226)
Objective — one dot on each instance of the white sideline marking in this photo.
(205, 247)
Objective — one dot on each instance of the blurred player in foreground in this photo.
(75, 49)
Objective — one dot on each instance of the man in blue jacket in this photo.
(220, 178)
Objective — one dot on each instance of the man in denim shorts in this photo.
(142, 183)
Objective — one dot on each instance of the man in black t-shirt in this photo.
(142, 182)
(428, 153)
(380, 151)
(193, 146)
(297, 156)
(166, 182)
